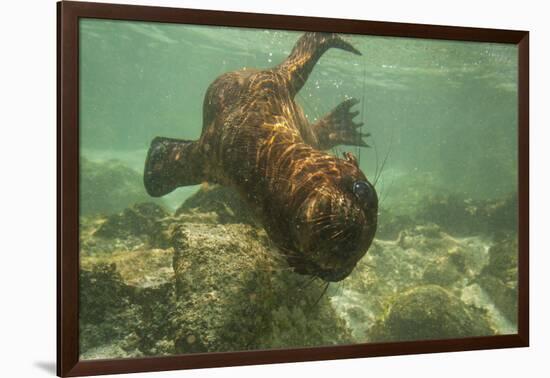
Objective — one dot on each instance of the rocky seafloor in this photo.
(206, 278)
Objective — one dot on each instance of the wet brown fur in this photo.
(256, 139)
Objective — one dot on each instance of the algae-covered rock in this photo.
(109, 187)
(154, 330)
(421, 255)
(118, 319)
(105, 312)
(207, 287)
(223, 201)
(500, 277)
(207, 279)
(429, 312)
(101, 289)
(236, 293)
(140, 268)
(142, 219)
(503, 260)
(466, 216)
(446, 270)
(390, 225)
(452, 214)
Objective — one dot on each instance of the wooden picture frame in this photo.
(69, 14)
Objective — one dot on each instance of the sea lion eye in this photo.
(363, 191)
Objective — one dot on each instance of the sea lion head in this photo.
(335, 224)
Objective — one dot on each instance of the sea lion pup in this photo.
(319, 210)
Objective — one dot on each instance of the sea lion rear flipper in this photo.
(172, 163)
(337, 127)
(307, 51)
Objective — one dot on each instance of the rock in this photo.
(155, 330)
(235, 292)
(142, 219)
(420, 256)
(503, 259)
(141, 268)
(105, 311)
(446, 270)
(476, 296)
(118, 319)
(207, 279)
(429, 312)
(500, 277)
(108, 351)
(101, 289)
(466, 217)
(223, 201)
(218, 287)
(390, 225)
(109, 187)
(441, 273)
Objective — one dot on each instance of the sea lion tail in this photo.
(172, 163)
(305, 54)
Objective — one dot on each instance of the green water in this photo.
(443, 120)
(441, 111)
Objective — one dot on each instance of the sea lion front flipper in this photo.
(307, 51)
(337, 127)
(172, 163)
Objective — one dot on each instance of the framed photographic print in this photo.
(239, 188)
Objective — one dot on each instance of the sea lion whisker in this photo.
(336, 151)
(345, 238)
(381, 169)
(323, 218)
(318, 222)
(387, 191)
(363, 90)
(327, 227)
(375, 146)
(337, 234)
(340, 289)
(289, 253)
(370, 266)
(322, 294)
(322, 225)
(390, 147)
(309, 281)
(315, 114)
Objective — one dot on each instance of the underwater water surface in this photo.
(193, 272)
